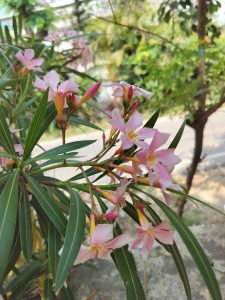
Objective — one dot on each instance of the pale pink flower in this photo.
(28, 61)
(146, 233)
(57, 92)
(159, 161)
(117, 199)
(122, 89)
(131, 131)
(101, 243)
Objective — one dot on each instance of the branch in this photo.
(131, 27)
(216, 106)
(113, 12)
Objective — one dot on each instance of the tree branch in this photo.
(131, 27)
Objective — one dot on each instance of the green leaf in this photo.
(49, 154)
(29, 271)
(20, 24)
(48, 292)
(125, 264)
(49, 117)
(78, 121)
(8, 213)
(66, 293)
(54, 245)
(89, 172)
(194, 248)
(14, 23)
(197, 200)
(178, 136)
(73, 238)
(5, 135)
(47, 204)
(151, 122)
(176, 257)
(1, 34)
(35, 126)
(4, 82)
(25, 221)
(8, 36)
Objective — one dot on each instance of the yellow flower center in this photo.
(132, 135)
(96, 249)
(151, 159)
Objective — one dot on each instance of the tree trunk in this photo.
(196, 159)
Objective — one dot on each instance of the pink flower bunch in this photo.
(146, 233)
(80, 50)
(149, 155)
(28, 61)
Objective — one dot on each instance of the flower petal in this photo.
(40, 84)
(52, 80)
(135, 121)
(159, 139)
(117, 121)
(119, 241)
(68, 86)
(102, 234)
(35, 62)
(83, 255)
(28, 54)
(167, 157)
(19, 56)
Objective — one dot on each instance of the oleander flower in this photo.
(132, 134)
(57, 92)
(28, 61)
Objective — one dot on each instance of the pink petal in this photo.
(28, 54)
(126, 142)
(164, 177)
(36, 62)
(83, 255)
(145, 133)
(102, 234)
(40, 84)
(52, 80)
(18, 148)
(118, 92)
(136, 242)
(159, 139)
(117, 121)
(167, 198)
(142, 92)
(148, 243)
(122, 188)
(163, 233)
(135, 121)
(19, 56)
(68, 86)
(119, 241)
(167, 157)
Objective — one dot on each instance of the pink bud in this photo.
(130, 93)
(111, 216)
(90, 92)
(135, 105)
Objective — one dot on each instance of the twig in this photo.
(132, 27)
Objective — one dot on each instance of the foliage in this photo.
(43, 220)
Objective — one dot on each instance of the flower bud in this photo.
(90, 92)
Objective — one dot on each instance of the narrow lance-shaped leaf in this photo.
(194, 248)
(178, 136)
(25, 221)
(127, 268)
(54, 245)
(8, 36)
(15, 28)
(78, 121)
(5, 134)
(61, 149)
(73, 238)
(47, 204)
(35, 126)
(8, 216)
(151, 122)
(176, 257)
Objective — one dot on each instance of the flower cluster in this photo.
(79, 50)
(139, 158)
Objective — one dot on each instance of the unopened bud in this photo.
(90, 92)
